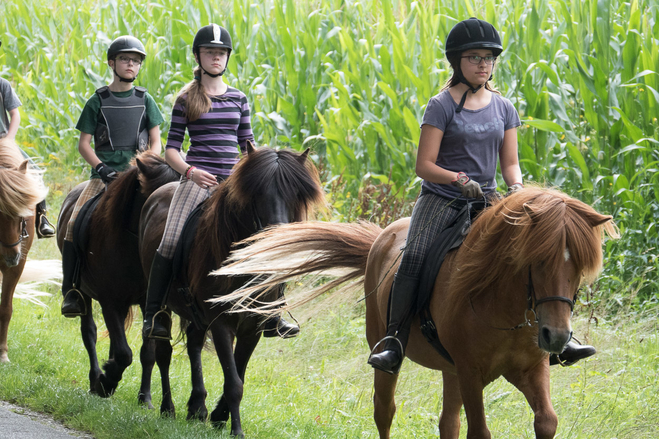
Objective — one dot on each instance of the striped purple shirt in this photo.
(216, 135)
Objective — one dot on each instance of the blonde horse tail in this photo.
(283, 253)
(35, 275)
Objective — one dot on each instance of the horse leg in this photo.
(197, 402)
(449, 420)
(534, 384)
(384, 402)
(242, 353)
(9, 281)
(120, 354)
(471, 389)
(89, 335)
(233, 386)
(164, 358)
(147, 360)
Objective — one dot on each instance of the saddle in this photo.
(449, 239)
(182, 255)
(82, 224)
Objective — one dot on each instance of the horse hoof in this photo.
(198, 415)
(104, 388)
(167, 412)
(4, 358)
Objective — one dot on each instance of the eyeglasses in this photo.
(214, 53)
(475, 59)
(126, 60)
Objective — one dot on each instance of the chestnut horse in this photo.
(112, 274)
(19, 194)
(520, 267)
(267, 187)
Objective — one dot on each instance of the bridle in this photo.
(23, 236)
(532, 305)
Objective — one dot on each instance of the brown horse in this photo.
(520, 267)
(19, 195)
(267, 187)
(112, 274)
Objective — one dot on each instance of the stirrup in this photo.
(402, 354)
(84, 303)
(153, 325)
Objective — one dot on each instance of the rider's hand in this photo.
(108, 174)
(514, 188)
(202, 178)
(468, 187)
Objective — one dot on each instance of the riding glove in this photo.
(468, 187)
(107, 173)
(514, 188)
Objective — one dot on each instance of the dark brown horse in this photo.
(112, 274)
(520, 266)
(19, 195)
(267, 187)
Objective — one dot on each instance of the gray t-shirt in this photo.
(8, 101)
(472, 139)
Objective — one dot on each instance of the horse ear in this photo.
(303, 157)
(250, 147)
(598, 219)
(23, 167)
(140, 166)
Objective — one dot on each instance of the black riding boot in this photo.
(157, 319)
(74, 303)
(401, 303)
(276, 326)
(41, 223)
(573, 352)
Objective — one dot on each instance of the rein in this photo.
(531, 305)
(24, 235)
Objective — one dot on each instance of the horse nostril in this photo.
(546, 335)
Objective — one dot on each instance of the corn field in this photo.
(351, 80)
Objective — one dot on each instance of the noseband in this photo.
(24, 235)
(532, 304)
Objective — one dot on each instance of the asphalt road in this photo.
(20, 423)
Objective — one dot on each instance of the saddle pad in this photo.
(449, 239)
(184, 245)
(82, 223)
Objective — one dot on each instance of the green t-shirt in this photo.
(89, 118)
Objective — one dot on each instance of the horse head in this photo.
(273, 187)
(544, 243)
(19, 193)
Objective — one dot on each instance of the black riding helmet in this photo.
(471, 34)
(125, 43)
(212, 36)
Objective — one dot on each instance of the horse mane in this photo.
(228, 216)
(147, 172)
(20, 189)
(532, 226)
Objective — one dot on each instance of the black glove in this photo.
(107, 173)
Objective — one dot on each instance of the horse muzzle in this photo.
(553, 340)
(12, 260)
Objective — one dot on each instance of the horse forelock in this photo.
(19, 192)
(532, 226)
(294, 180)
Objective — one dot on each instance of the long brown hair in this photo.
(193, 97)
(454, 60)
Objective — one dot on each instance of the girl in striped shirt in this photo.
(218, 121)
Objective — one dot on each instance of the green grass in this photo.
(319, 386)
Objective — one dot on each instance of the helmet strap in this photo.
(212, 75)
(471, 89)
(122, 79)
